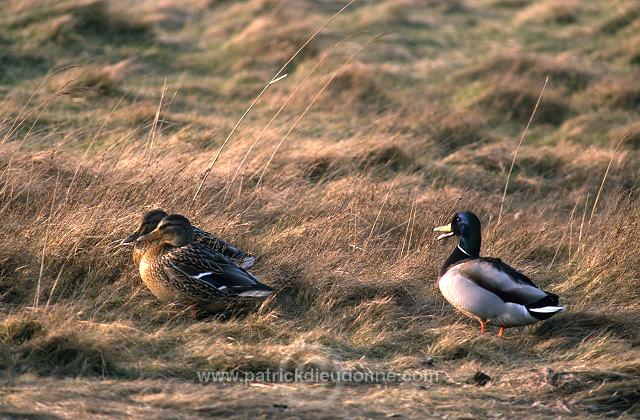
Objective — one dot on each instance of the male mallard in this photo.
(150, 221)
(486, 288)
(178, 269)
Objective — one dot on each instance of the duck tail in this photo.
(546, 307)
(551, 299)
(259, 290)
(256, 293)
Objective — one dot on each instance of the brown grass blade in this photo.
(278, 76)
(515, 154)
(604, 178)
(573, 210)
(313, 101)
(154, 125)
(282, 107)
(36, 299)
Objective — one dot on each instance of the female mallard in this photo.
(486, 288)
(150, 221)
(178, 269)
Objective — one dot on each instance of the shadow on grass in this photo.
(578, 326)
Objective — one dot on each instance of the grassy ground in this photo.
(108, 109)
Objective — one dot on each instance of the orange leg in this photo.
(501, 332)
(483, 326)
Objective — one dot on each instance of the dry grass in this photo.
(618, 93)
(549, 11)
(514, 101)
(415, 127)
(564, 69)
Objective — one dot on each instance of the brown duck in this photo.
(152, 218)
(176, 268)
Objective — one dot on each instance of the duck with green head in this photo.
(486, 288)
(176, 268)
(152, 218)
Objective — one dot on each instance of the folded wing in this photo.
(241, 257)
(502, 280)
(212, 269)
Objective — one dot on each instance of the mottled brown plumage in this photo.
(176, 268)
(150, 221)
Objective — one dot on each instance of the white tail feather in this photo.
(256, 293)
(547, 309)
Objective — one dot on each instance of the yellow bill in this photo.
(448, 231)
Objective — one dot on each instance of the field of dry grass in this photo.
(108, 109)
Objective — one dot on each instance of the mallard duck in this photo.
(150, 221)
(486, 288)
(176, 268)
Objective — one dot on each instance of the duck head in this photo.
(466, 226)
(147, 224)
(174, 230)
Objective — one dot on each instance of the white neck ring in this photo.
(463, 251)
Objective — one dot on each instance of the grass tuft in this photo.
(64, 354)
(515, 100)
(16, 330)
(549, 11)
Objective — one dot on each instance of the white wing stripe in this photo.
(198, 277)
(201, 275)
(547, 309)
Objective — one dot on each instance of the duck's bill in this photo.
(129, 239)
(154, 235)
(447, 231)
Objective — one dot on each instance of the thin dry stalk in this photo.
(152, 133)
(277, 77)
(175, 93)
(313, 101)
(7, 169)
(55, 283)
(354, 215)
(584, 214)
(235, 127)
(571, 223)
(36, 300)
(240, 187)
(604, 178)
(44, 106)
(282, 107)
(29, 184)
(553, 260)
(406, 240)
(515, 154)
(375, 222)
(91, 143)
(15, 127)
(131, 134)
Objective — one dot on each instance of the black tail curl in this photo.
(550, 300)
